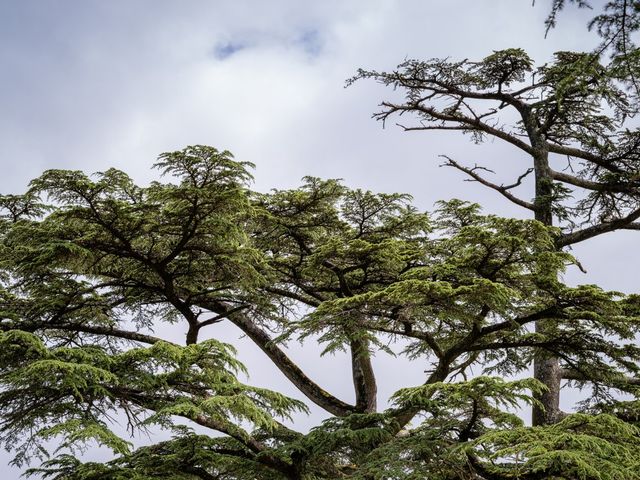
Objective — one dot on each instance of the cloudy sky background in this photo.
(96, 84)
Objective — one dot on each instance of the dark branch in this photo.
(502, 189)
(263, 340)
(595, 230)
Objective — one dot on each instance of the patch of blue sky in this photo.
(222, 51)
(310, 41)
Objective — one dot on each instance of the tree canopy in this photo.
(109, 292)
(92, 265)
(572, 118)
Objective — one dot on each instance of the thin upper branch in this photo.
(502, 189)
(469, 122)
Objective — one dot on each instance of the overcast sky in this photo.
(90, 84)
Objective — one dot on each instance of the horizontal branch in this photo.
(596, 186)
(570, 374)
(582, 154)
(549, 312)
(512, 344)
(92, 329)
(457, 92)
(595, 230)
(307, 300)
(471, 123)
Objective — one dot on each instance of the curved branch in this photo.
(233, 431)
(471, 123)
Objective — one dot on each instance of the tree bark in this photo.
(364, 379)
(310, 389)
(546, 368)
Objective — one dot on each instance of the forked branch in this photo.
(501, 189)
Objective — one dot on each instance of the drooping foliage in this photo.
(96, 271)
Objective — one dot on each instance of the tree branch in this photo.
(596, 186)
(364, 379)
(584, 155)
(229, 429)
(222, 316)
(571, 374)
(471, 123)
(595, 230)
(502, 189)
(92, 329)
(263, 340)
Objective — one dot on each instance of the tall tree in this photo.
(573, 121)
(89, 274)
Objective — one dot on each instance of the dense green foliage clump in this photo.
(91, 265)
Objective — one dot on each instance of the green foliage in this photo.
(505, 67)
(185, 457)
(579, 105)
(89, 276)
(579, 447)
(67, 391)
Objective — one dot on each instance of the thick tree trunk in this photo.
(364, 379)
(546, 368)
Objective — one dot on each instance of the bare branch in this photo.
(583, 155)
(631, 226)
(222, 316)
(595, 230)
(469, 122)
(502, 189)
(629, 187)
(280, 359)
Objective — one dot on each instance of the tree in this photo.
(573, 121)
(616, 25)
(90, 265)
